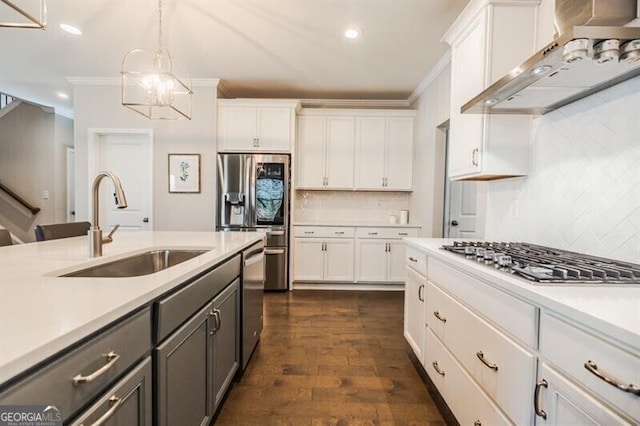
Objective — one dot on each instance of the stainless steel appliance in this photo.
(252, 297)
(546, 265)
(253, 194)
(593, 49)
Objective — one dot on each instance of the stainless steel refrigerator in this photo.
(253, 194)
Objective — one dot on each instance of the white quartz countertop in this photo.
(41, 313)
(612, 310)
(357, 223)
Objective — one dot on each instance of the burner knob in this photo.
(469, 251)
(480, 253)
(488, 256)
(504, 260)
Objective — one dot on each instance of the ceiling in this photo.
(261, 48)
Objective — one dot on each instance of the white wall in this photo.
(30, 163)
(583, 192)
(98, 106)
(426, 203)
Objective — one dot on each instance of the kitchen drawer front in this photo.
(570, 348)
(179, 306)
(53, 384)
(438, 312)
(416, 260)
(386, 233)
(132, 395)
(507, 312)
(467, 401)
(324, 231)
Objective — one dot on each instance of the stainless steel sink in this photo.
(139, 264)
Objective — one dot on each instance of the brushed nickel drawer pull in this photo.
(440, 317)
(536, 398)
(413, 259)
(112, 358)
(114, 403)
(592, 368)
(339, 232)
(309, 232)
(480, 356)
(420, 291)
(435, 367)
(404, 234)
(373, 233)
(216, 318)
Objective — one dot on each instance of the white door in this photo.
(311, 170)
(399, 153)
(397, 268)
(370, 137)
(128, 155)
(462, 210)
(308, 259)
(340, 152)
(274, 129)
(372, 260)
(338, 260)
(71, 187)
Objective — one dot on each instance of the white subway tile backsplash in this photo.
(359, 206)
(583, 191)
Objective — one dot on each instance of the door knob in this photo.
(454, 223)
(145, 219)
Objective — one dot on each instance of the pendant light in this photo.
(39, 22)
(150, 86)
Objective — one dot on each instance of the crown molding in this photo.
(431, 77)
(354, 103)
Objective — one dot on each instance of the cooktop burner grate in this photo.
(547, 265)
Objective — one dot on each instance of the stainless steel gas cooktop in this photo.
(546, 265)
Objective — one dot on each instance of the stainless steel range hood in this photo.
(592, 51)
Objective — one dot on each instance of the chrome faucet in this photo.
(96, 239)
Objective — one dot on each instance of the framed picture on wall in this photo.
(184, 173)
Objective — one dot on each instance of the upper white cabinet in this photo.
(487, 147)
(344, 149)
(384, 153)
(325, 151)
(264, 125)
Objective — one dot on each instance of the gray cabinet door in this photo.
(184, 373)
(126, 403)
(226, 353)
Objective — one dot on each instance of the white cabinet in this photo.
(414, 294)
(256, 125)
(325, 152)
(384, 147)
(323, 254)
(380, 254)
(487, 147)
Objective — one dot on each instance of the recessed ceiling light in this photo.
(541, 69)
(352, 33)
(63, 95)
(71, 29)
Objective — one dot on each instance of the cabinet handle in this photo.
(435, 367)
(114, 404)
(339, 232)
(480, 356)
(404, 234)
(420, 290)
(592, 368)
(216, 318)
(440, 317)
(309, 232)
(112, 358)
(413, 259)
(474, 156)
(373, 233)
(536, 398)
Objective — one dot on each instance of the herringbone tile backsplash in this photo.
(583, 191)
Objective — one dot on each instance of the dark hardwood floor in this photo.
(331, 358)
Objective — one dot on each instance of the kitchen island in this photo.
(523, 352)
(42, 313)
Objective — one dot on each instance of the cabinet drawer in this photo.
(467, 401)
(127, 403)
(507, 312)
(130, 339)
(416, 260)
(386, 233)
(178, 307)
(570, 348)
(324, 231)
(504, 369)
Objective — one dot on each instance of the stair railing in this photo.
(34, 210)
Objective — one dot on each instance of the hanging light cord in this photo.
(159, 24)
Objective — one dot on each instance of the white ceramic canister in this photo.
(404, 217)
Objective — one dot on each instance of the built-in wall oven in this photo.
(253, 195)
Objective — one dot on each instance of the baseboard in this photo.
(347, 286)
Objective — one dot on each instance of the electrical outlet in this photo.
(45, 195)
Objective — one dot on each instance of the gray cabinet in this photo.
(126, 403)
(195, 365)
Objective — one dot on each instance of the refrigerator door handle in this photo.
(248, 204)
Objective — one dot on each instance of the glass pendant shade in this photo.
(151, 88)
(23, 18)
